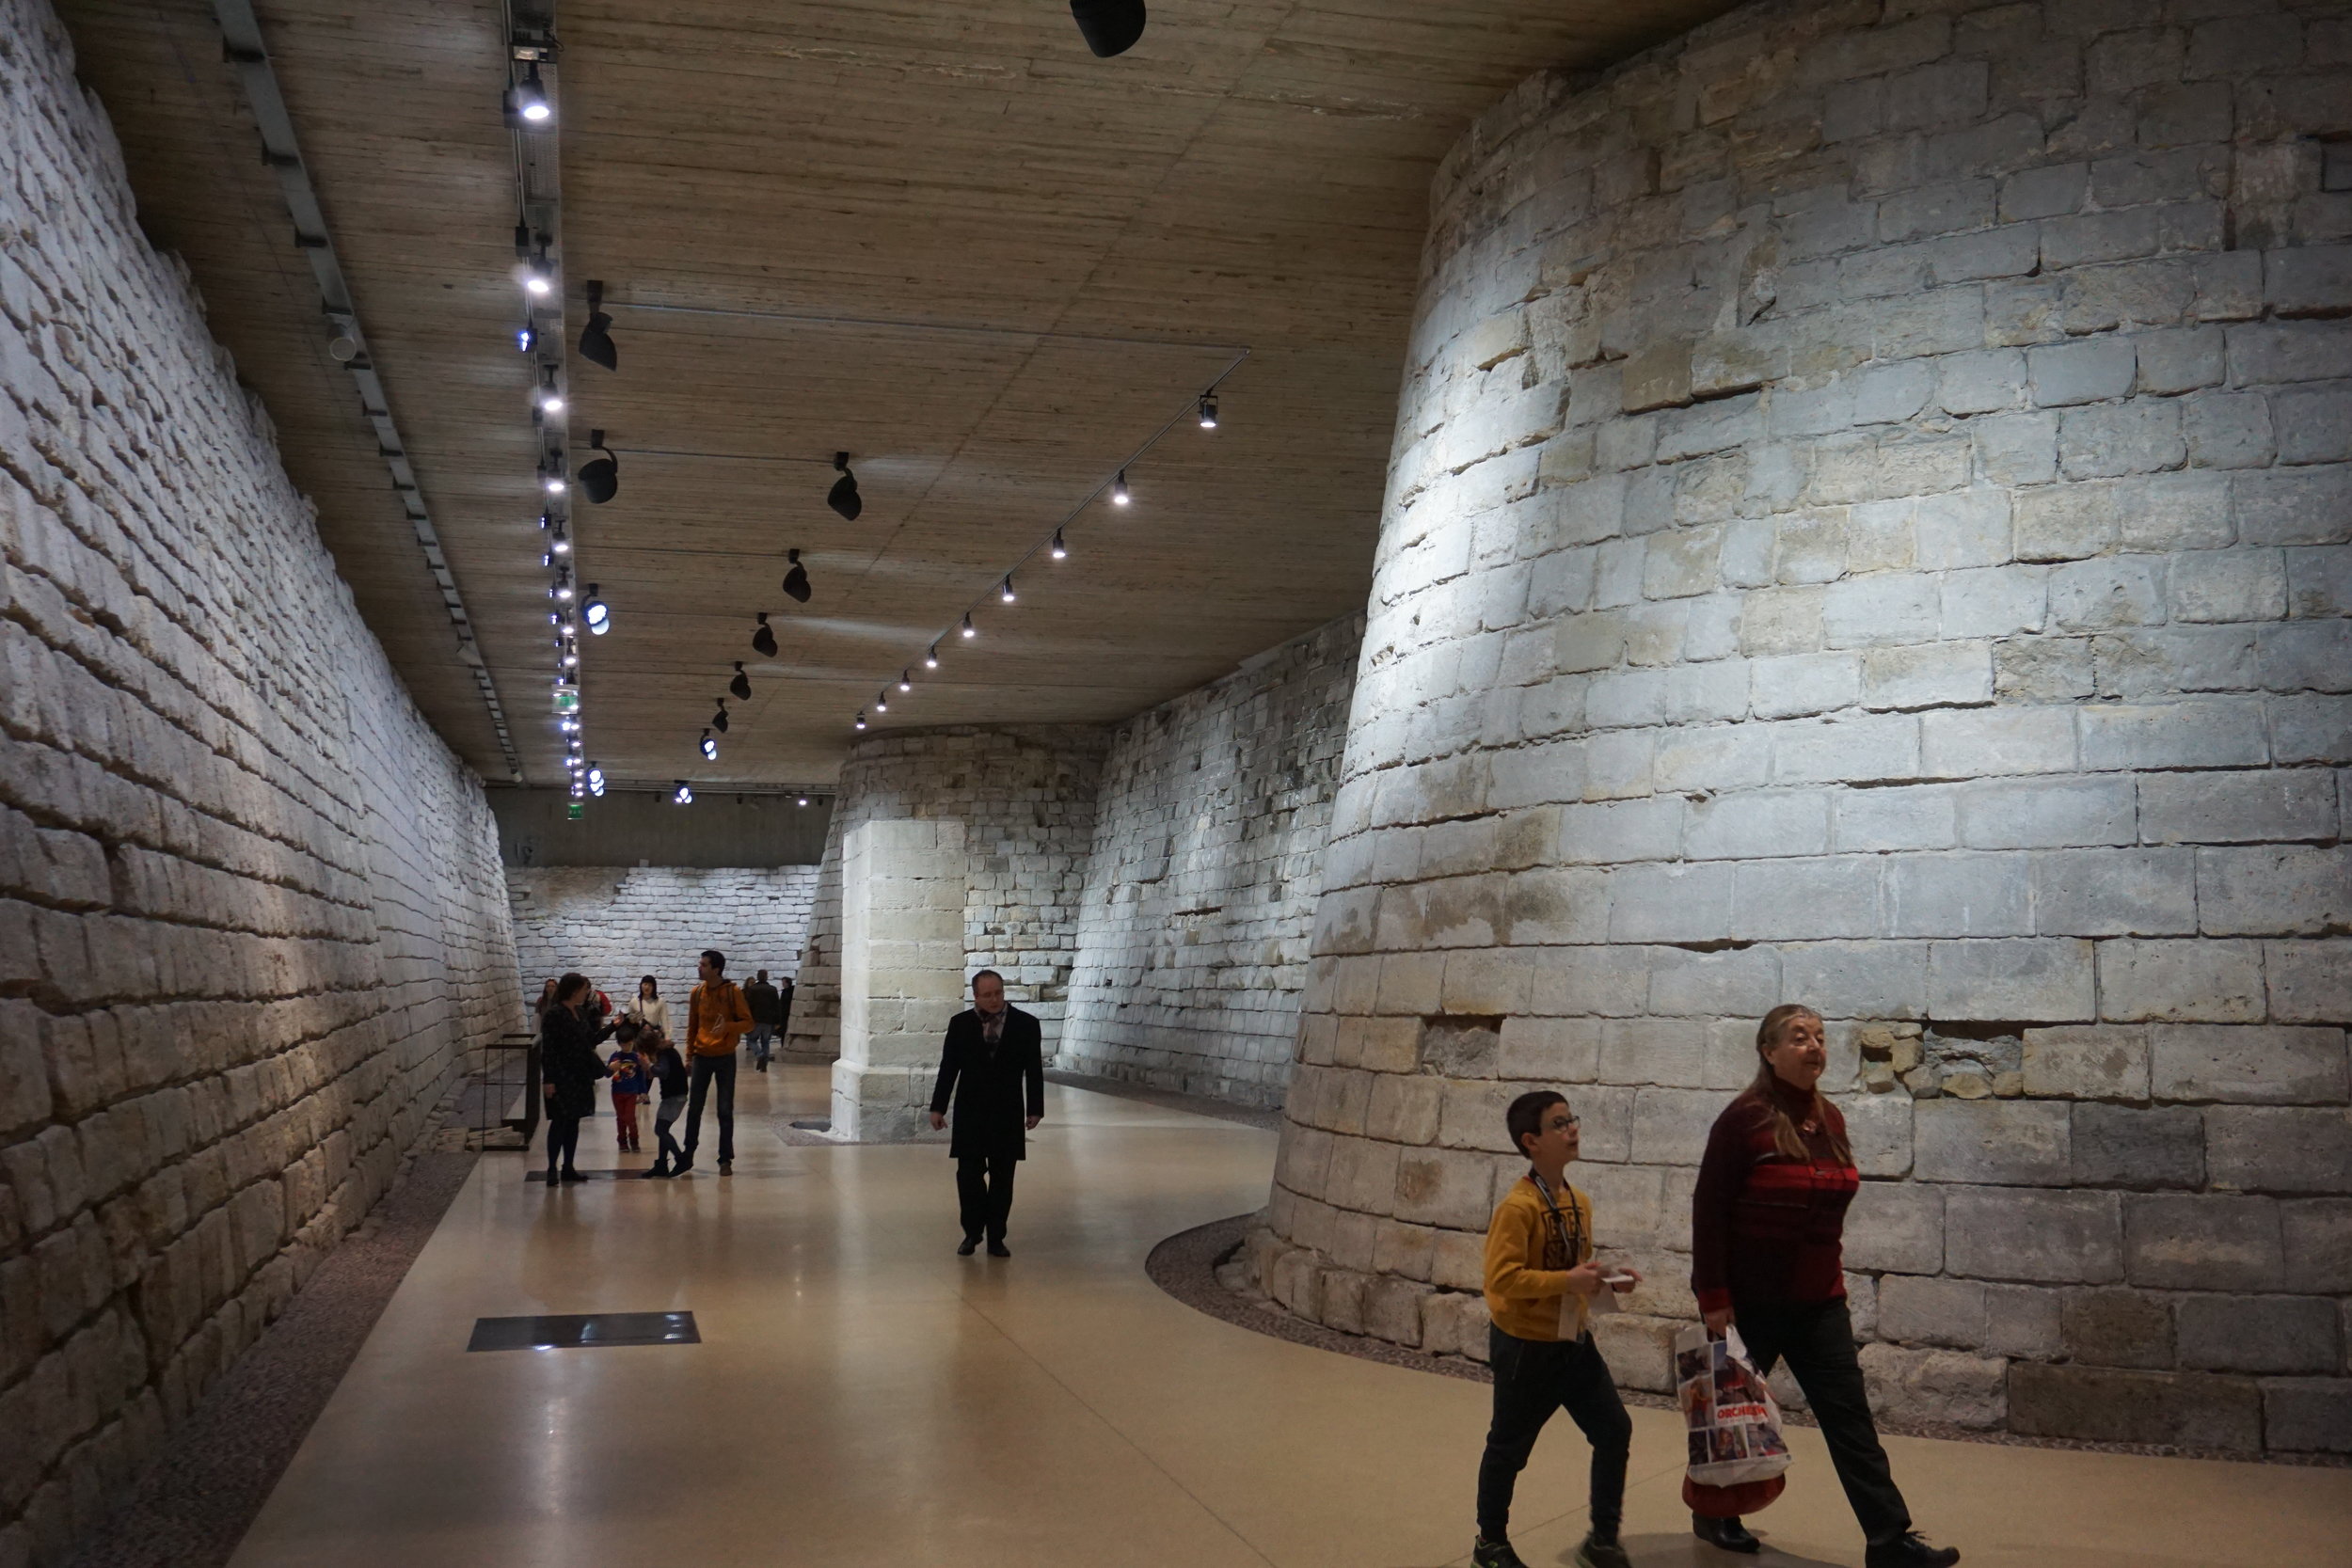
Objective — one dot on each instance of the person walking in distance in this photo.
(647, 1008)
(1541, 1278)
(761, 998)
(993, 1067)
(784, 1011)
(1768, 1221)
(716, 1017)
(570, 1070)
(667, 1069)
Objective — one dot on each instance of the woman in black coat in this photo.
(569, 1071)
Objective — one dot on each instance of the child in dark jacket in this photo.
(668, 1069)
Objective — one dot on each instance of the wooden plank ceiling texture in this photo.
(984, 262)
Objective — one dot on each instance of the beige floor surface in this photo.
(863, 1396)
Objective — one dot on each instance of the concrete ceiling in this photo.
(938, 235)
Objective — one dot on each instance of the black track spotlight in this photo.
(526, 102)
(599, 477)
(764, 638)
(930, 658)
(1058, 550)
(968, 629)
(1005, 592)
(741, 684)
(593, 611)
(843, 498)
(1110, 26)
(803, 800)
(881, 701)
(595, 780)
(1208, 410)
(595, 338)
(796, 581)
(906, 680)
(861, 719)
(719, 719)
(683, 794)
(1118, 488)
(709, 747)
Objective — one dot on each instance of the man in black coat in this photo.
(993, 1064)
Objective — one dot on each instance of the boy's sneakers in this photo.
(1599, 1553)
(1494, 1554)
(1908, 1551)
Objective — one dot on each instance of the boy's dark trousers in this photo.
(667, 1155)
(1533, 1378)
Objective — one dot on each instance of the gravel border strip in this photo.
(1185, 1264)
(194, 1501)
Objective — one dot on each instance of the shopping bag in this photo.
(1732, 1423)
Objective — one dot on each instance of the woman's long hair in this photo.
(648, 988)
(1786, 1139)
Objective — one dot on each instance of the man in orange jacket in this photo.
(716, 1017)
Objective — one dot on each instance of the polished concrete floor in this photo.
(863, 1396)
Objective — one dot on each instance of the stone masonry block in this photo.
(1935, 1385)
(2309, 981)
(2237, 807)
(1959, 894)
(2116, 1407)
(2316, 1237)
(2198, 733)
(2037, 814)
(1919, 1311)
(2307, 1414)
(2278, 1148)
(2197, 981)
(2133, 1145)
(2278, 1065)
(2199, 1241)
(2001, 1142)
(1895, 1225)
(2045, 981)
(2280, 890)
(2117, 1327)
(1975, 743)
(2259, 1334)
(2119, 892)
(2028, 1234)
(2093, 370)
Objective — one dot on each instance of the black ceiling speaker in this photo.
(719, 719)
(600, 477)
(595, 338)
(1110, 26)
(843, 497)
(764, 639)
(741, 684)
(796, 581)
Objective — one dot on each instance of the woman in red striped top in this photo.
(1768, 1222)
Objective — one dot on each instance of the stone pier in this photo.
(902, 894)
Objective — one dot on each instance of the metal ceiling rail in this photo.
(242, 46)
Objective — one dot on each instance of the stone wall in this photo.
(614, 923)
(1867, 525)
(1201, 888)
(1025, 796)
(251, 908)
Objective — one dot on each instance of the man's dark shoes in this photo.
(998, 1249)
(726, 1167)
(970, 1245)
(574, 1176)
(1600, 1551)
(1728, 1535)
(681, 1168)
(1908, 1551)
(1494, 1554)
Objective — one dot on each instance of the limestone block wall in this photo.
(614, 923)
(904, 885)
(1025, 795)
(251, 914)
(1868, 525)
(1202, 879)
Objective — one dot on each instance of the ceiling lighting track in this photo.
(887, 323)
(242, 46)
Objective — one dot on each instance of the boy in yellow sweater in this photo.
(1541, 1277)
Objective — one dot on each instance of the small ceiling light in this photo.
(537, 283)
(796, 581)
(600, 477)
(882, 702)
(1110, 26)
(595, 780)
(861, 719)
(710, 748)
(741, 684)
(930, 658)
(764, 638)
(906, 680)
(554, 483)
(1059, 550)
(719, 719)
(683, 794)
(843, 498)
(571, 659)
(562, 588)
(1119, 489)
(550, 400)
(595, 338)
(596, 613)
(968, 629)
(559, 546)
(803, 800)
(1208, 410)
(530, 99)
(526, 338)
(1005, 592)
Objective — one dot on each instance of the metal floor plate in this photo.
(584, 1331)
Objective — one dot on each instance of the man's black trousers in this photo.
(984, 1189)
(1815, 1339)
(1533, 1378)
